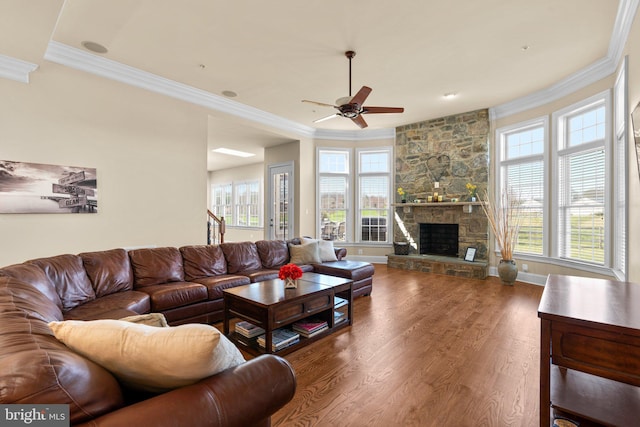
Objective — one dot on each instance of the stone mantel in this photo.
(467, 207)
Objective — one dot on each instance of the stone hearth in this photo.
(440, 265)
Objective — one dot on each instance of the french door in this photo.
(280, 192)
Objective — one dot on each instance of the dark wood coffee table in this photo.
(270, 306)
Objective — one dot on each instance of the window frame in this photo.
(502, 162)
(558, 149)
(358, 184)
(353, 222)
(234, 205)
(347, 192)
(551, 184)
(257, 206)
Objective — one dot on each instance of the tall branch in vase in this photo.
(504, 220)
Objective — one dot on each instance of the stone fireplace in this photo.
(442, 155)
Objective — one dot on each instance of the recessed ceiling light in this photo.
(233, 152)
(94, 47)
(229, 93)
(450, 95)
(525, 48)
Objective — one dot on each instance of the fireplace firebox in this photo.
(439, 239)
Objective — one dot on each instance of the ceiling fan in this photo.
(352, 107)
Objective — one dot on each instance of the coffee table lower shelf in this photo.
(251, 346)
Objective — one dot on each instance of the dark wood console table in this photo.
(590, 350)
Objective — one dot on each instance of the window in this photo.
(333, 182)
(239, 203)
(374, 181)
(371, 184)
(578, 218)
(581, 183)
(521, 168)
(248, 204)
(222, 205)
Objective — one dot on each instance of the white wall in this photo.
(149, 152)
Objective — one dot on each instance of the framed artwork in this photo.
(42, 188)
(470, 255)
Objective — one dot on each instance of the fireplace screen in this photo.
(439, 239)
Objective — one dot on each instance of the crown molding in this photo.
(16, 69)
(355, 135)
(598, 70)
(80, 60)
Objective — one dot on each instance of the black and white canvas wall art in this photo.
(41, 188)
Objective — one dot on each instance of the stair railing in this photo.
(215, 229)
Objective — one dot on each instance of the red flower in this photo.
(290, 271)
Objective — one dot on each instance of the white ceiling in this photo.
(275, 53)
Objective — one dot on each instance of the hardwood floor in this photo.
(424, 350)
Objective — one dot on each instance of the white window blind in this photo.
(248, 204)
(333, 193)
(374, 188)
(222, 202)
(522, 174)
(581, 186)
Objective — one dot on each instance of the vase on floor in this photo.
(507, 271)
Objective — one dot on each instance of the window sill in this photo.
(561, 262)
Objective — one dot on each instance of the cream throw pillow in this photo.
(150, 319)
(147, 357)
(306, 253)
(327, 253)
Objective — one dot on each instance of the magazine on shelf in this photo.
(312, 334)
(339, 316)
(248, 330)
(310, 325)
(280, 339)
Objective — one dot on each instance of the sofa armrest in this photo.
(340, 252)
(246, 395)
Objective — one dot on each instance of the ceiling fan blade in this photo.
(377, 110)
(359, 120)
(322, 104)
(361, 96)
(326, 118)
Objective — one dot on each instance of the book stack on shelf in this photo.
(280, 339)
(310, 327)
(248, 330)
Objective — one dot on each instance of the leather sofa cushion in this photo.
(42, 368)
(241, 256)
(152, 266)
(354, 270)
(111, 306)
(109, 271)
(69, 277)
(170, 295)
(216, 284)
(35, 276)
(203, 261)
(273, 253)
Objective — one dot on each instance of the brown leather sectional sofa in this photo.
(185, 284)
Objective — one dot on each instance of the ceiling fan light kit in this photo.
(352, 107)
